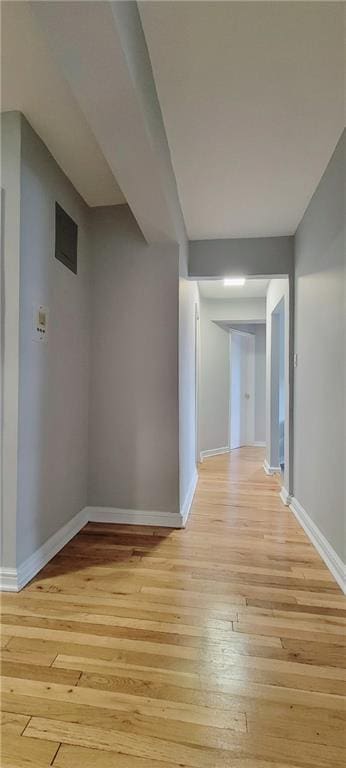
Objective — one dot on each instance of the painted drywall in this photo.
(10, 270)
(134, 424)
(235, 310)
(214, 364)
(140, 468)
(188, 371)
(320, 317)
(255, 256)
(214, 382)
(278, 291)
(116, 92)
(54, 376)
(124, 113)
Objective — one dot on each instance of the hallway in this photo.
(215, 646)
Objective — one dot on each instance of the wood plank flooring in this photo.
(218, 646)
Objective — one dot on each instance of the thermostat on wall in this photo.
(40, 323)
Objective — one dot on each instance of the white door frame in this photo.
(197, 375)
(277, 318)
(286, 293)
(241, 333)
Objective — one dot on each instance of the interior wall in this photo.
(214, 381)
(188, 307)
(10, 271)
(134, 427)
(214, 365)
(250, 256)
(54, 376)
(132, 393)
(320, 343)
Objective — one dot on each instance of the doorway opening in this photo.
(232, 384)
(279, 379)
(278, 393)
(244, 390)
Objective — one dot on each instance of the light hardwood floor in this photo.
(218, 646)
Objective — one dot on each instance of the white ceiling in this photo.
(215, 289)
(252, 100)
(32, 84)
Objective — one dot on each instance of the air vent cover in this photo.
(66, 236)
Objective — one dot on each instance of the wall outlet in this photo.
(39, 323)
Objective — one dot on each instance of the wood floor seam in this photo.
(56, 754)
(220, 645)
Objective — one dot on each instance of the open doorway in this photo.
(279, 374)
(242, 389)
(260, 307)
(278, 393)
(277, 404)
(232, 314)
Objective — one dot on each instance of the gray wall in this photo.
(134, 385)
(214, 365)
(255, 256)
(319, 403)
(214, 381)
(54, 377)
(134, 435)
(188, 306)
(10, 270)
(129, 315)
(134, 143)
(133, 40)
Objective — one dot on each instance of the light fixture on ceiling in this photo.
(228, 281)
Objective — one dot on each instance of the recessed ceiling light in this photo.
(234, 281)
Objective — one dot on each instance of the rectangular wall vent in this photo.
(66, 236)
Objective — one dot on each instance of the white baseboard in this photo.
(285, 497)
(8, 580)
(270, 470)
(186, 508)
(12, 579)
(258, 444)
(133, 517)
(324, 548)
(214, 452)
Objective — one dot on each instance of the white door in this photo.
(242, 395)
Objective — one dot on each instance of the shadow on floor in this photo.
(106, 551)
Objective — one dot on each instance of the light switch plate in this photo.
(40, 323)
